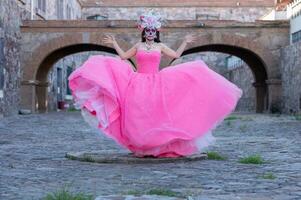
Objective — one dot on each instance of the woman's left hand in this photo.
(190, 38)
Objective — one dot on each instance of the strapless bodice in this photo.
(148, 61)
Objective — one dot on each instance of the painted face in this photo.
(150, 33)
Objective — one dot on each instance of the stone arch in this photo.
(35, 83)
(259, 59)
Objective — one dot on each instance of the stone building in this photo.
(291, 61)
(244, 11)
(12, 12)
(231, 67)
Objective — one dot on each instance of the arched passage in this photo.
(37, 66)
(255, 63)
(264, 65)
(48, 62)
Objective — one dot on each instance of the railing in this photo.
(294, 9)
(233, 62)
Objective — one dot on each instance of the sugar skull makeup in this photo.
(150, 33)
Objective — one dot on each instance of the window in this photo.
(97, 17)
(296, 36)
(233, 62)
(42, 5)
(68, 12)
(69, 71)
(60, 9)
(1, 67)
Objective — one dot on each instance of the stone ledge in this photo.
(125, 157)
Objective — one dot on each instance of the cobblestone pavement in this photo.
(33, 163)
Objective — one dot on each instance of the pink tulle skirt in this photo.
(166, 114)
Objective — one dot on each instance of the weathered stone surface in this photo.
(24, 112)
(12, 12)
(252, 42)
(124, 157)
(33, 163)
(291, 78)
(10, 57)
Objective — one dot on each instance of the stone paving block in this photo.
(107, 156)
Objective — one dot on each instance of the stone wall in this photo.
(173, 3)
(10, 15)
(216, 61)
(291, 78)
(70, 10)
(12, 12)
(242, 77)
(57, 92)
(249, 14)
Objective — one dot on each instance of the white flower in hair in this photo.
(150, 19)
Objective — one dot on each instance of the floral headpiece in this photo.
(150, 19)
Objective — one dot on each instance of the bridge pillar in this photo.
(275, 95)
(29, 99)
(261, 96)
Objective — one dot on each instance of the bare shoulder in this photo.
(138, 44)
(162, 45)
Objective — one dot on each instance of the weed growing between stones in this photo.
(232, 117)
(268, 175)
(247, 119)
(64, 194)
(71, 109)
(215, 156)
(156, 191)
(253, 159)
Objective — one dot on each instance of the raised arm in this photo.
(123, 55)
(176, 54)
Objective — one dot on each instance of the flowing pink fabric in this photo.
(163, 113)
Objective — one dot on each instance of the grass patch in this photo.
(64, 194)
(71, 109)
(247, 119)
(232, 117)
(253, 159)
(133, 192)
(163, 192)
(215, 156)
(155, 191)
(269, 175)
(298, 117)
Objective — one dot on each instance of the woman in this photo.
(151, 112)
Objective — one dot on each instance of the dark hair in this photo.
(157, 39)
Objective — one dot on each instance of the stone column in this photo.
(260, 96)
(275, 95)
(34, 96)
(28, 95)
(42, 99)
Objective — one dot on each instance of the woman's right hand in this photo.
(109, 39)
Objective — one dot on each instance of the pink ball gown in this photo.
(162, 113)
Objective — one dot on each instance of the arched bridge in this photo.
(257, 43)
